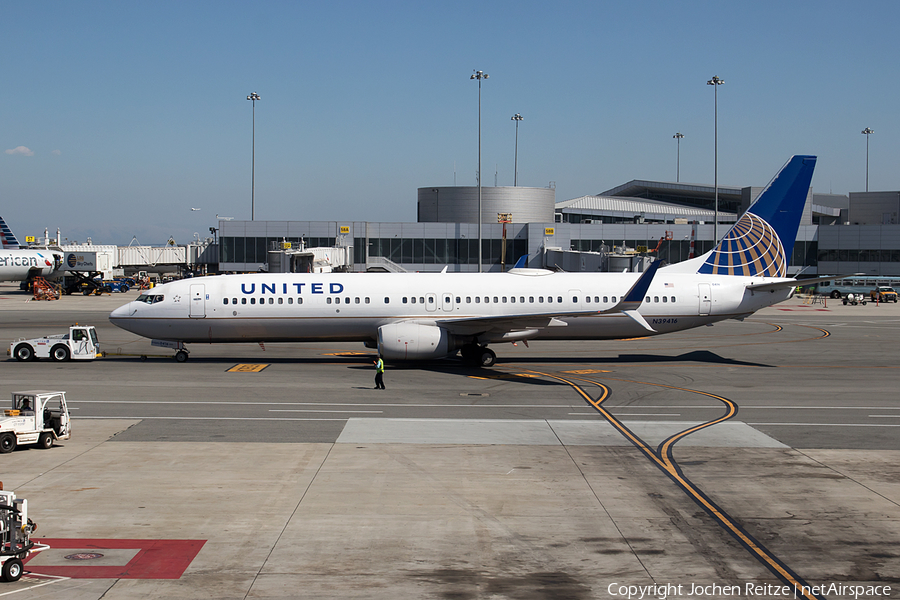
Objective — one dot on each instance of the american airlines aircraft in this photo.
(418, 316)
(17, 264)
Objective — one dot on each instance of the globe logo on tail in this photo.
(750, 249)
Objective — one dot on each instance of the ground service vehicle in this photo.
(15, 535)
(36, 417)
(80, 343)
(883, 294)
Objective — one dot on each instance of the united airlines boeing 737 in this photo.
(417, 316)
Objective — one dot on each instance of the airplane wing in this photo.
(789, 283)
(628, 306)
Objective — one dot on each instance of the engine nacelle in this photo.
(414, 341)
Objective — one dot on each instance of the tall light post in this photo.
(479, 75)
(253, 98)
(678, 137)
(716, 82)
(867, 133)
(516, 117)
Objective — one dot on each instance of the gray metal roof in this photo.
(636, 206)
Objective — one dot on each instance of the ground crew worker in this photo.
(379, 374)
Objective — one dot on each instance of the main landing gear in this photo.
(481, 356)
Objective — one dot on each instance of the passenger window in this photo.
(412, 300)
(357, 300)
(458, 300)
(656, 298)
(347, 300)
(665, 299)
(648, 299)
(540, 299)
(586, 299)
(495, 299)
(404, 301)
(531, 299)
(504, 299)
(299, 300)
(271, 300)
(613, 298)
(225, 300)
(605, 299)
(512, 299)
(487, 300)
(290, 300)
(387, 300)
(430, 300)
(367, 299)
(549, 298)
(243, 301)
(477, 299)
(327, 300)
(421, 300)
(559, 299)
(522, 299)
(468, 299)
(280, 300)
(673, 298)
(597, 299)
(252, 300)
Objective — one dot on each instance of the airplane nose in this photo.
(122, 312)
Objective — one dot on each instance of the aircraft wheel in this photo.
(7, 442)
(59, 353)
(24, 352)
(487, 357)
(45, 441)
(181, 356)
(835, 295)
(12, 569)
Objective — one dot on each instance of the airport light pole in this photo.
(867, 133)
(479, 75)
(253, 98)
(516, 117)
(678, 137)
(716, 82)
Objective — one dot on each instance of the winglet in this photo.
(520, 264)
(632, 300)
(635, 296)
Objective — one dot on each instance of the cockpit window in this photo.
(150, 298)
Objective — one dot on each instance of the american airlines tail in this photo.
(761, 242)
(7, 237)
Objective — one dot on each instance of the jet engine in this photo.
(414, 341)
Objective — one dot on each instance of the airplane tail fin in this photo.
(7, 237)
(761, 242)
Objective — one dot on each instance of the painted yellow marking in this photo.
(505, 376)
(348, 354)
(246, 368)
(662, 459)
(586, 371)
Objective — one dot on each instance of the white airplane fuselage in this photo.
(18, 265)
(471, 307)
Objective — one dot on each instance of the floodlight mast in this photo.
(253, 97)
(479, 75)
(716, 82)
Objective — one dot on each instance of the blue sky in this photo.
(116, 118)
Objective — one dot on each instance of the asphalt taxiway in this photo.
(569, 470)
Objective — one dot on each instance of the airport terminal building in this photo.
(838, 234)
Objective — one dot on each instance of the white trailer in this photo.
(80, 343)
(36, 417)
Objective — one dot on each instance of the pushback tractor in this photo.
(80, 343)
